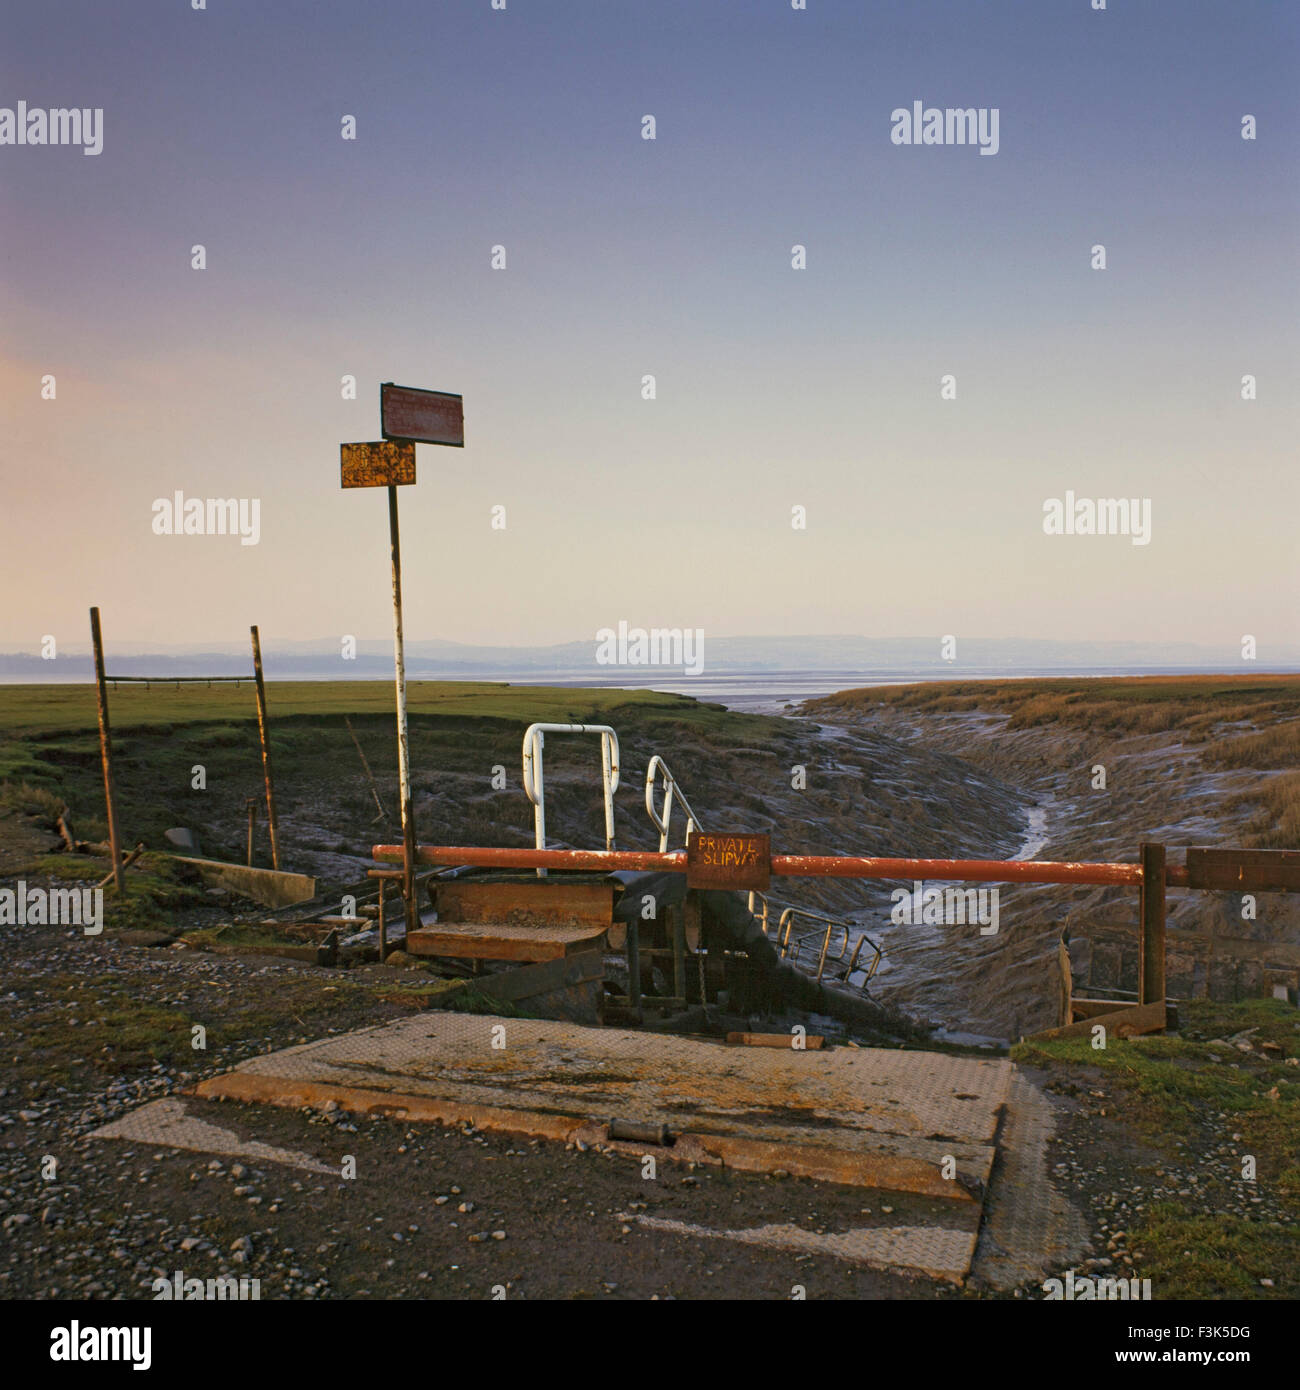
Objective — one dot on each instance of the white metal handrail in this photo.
(534, 782)
(672, 789)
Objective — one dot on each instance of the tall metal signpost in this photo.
(408, 416)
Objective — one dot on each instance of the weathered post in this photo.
(264, 735)
(1151, 952)
(105, 750)
(407, 416)
(403, 737)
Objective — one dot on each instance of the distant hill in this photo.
(430, 658)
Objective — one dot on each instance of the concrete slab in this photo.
(166, 1123)
(935, 1251)
(1030, 1229)
(270, 887)
(869, 1116)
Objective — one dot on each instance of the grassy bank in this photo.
(1220, 1092)
(1247, 721)
(27, 710)
(190, 757)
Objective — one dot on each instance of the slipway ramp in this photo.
(866, 1116)
(968, 1135)
(909, 1122)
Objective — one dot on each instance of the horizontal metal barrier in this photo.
(791, 865)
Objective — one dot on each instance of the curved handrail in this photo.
(672, 788)
(534, 781)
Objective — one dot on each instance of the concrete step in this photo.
(503, 940)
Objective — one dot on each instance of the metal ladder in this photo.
(841, 964)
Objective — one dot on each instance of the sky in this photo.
(775, 388)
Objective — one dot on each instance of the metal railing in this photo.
(534, 781)
(672, 790)
(792, 947)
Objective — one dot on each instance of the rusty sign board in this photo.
(385, 463)
(1246, 870)
(426, 417)
(728, 861)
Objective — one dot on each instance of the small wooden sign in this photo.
(1245, 870)
(728, 861)
(385, 463)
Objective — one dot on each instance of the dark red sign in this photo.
(426, 417)
(728, 861)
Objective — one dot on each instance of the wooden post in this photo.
(105, 750)
(1151, 952)
(634, 967)
(403, 739)
(264, 735)
(383, 926)
(677, 925)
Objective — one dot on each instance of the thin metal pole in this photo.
(264, 735)
(1151, 952)
(677, 920)
(634, 967)
(105, 750)
(383, 927)
(403, 738)
(370, 776)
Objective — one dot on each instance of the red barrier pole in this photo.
(783, 865)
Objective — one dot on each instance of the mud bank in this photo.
(1090, 794)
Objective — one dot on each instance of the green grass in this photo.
(1166, 1088)
(459, 732)
(159, 887)
(117, 1033)
(62, 709)
(1194, 1255)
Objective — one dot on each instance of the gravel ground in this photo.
(420, 1219)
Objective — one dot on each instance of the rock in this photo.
(135, 937)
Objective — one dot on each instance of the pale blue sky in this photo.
(626, 257)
